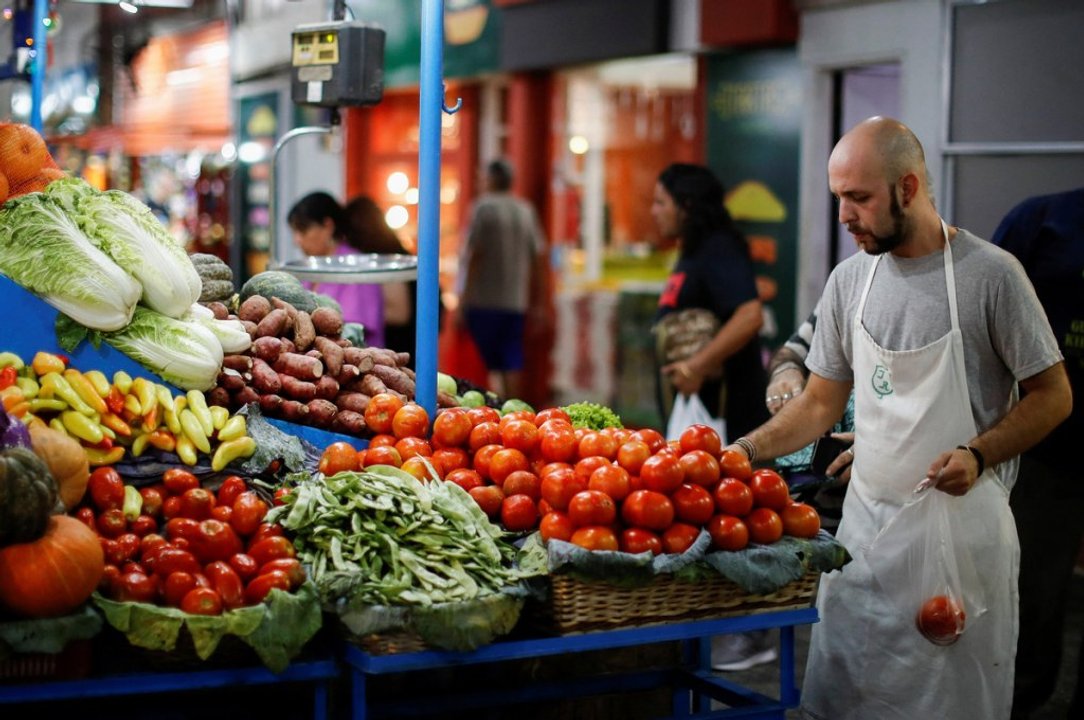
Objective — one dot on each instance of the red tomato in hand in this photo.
(700, 437)
(941, 620)
(452, 428)
(106, 488)
(662, 473)
(591, 507)
(638, 540)
(380, 411)
(728, 533)
(692, 504)
(518, 513)
(557, 525)
(800, 520)
(732, 464)
(648, 509)
(679, 537)
(765, 526)
(595, 537)
(769, 490)
(733, 497)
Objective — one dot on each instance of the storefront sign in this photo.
(753, 139)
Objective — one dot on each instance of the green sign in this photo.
(471, 37)
(753, 141)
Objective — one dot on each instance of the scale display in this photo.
(337, 64)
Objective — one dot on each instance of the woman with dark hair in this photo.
(368, 232)
(713, 272)
(319, 226)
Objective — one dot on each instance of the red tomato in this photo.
(648, 509)
(505, 462)
(632, 455)
(800, 520)
(180, 527)
(516, 415)
(548, 414)
(653, 438)
(483, 434)
(128, 546)
(224, 513)
(259, 587)
(291, 566)
(638, 540)
(197, 503)
(170, 560)
(490, 498)
(171, 507)
(518, 513)
(555, 524)
(450, 459)
(245, 567)
(215, 541)
(175, 586)
(701, 468)
(271, 548)
(765, 526)
(135, 587)
(560, 485)
(586, 467)
(700, 437)
(202, 601)
(85, 515)
(248, 512)
(553, 466)
(769, 490)
(265, 530)
(227, 583)
(143, 525)
(483, 458)
(733, 497)
(941, 620)
(177, 480)
(380, 411)
(337, 457)
(692, 504)
(679, 537)
(520, 435)
(595, 538)
(152, 501)
(112, 552)
(383, 455)
(522, 482)
(383, 440)
(135, 567)
(410, 447)
(106, 488)
(728, 532)
(110, 575)
(452, 428)
(411, 420)
(419, 467)
(591, 507)
(483, 414)
(598, 444)
(662, 473)
(612, 480)
(150, 544)
(732, 464)
(558, 443)
(231, 487)
(465, 478)
(111, 523)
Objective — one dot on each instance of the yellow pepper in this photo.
(82, 427)
(98, 381)
(143, 389)
(194, 431)
(234, 428)
(85, 390)
(197, 403)
(116, 424)
(123, 381)
(186, 450)
(45, 362)
(112, 456)
(62, 389)
(219, 416)
(29, 386)
(10, 359)
(139, 445)
(227, 452)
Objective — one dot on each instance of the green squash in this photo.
(28, 496)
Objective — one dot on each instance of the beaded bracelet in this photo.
(747, 445)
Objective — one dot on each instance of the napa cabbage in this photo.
(231, 334)
(43, 249)
(184, 353)
(127, 231)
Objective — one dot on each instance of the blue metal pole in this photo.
(37, 67)
(431, 104)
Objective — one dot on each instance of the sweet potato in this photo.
(314, 353)
(321, 412)
(246, 395)
(240, 363)
(348, 374)
(251, 328)
(293, 411)
(348, 421)
(444, 400)
(370, 385)
(402, 359)
(383, 356)
(274, 324)
(352, 401)
(218, 396)
(271, 404)
(219, 309)
(280, 304)
(327, 387)
(231, 380)
(327, 321)
(297, 389)
(254, 309)
(264, 378)
(288, 345)
(301, 367)
(394, 378)
(332, 354)
(355, 355)
(409, 372)
(267, 349)
(304, 332)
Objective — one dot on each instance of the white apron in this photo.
(866, 659)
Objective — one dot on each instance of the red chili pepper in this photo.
(106, 443)
(64, 359)
(7, 377)
(115, 400)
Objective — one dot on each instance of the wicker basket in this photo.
(71, 663)
(577, 606)
(391, 643)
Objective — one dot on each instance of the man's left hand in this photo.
(683, 377)
(954, 472)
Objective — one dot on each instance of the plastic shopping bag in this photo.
(925, 561)
(689, 410)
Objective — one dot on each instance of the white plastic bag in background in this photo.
(689, 410)
(927, 559)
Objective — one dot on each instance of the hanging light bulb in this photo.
(128, 7)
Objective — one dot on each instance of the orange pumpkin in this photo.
(53, 575)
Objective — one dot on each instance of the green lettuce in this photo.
(127, 231)
(43, 249)
(183, 353)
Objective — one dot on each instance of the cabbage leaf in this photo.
(43, 249)
(183, 353)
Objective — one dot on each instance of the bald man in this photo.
(934, 329)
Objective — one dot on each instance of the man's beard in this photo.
(887, 243)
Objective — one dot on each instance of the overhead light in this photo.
(128, 7)
(145, 3)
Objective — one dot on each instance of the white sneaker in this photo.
(741, 651)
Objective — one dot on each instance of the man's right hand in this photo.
(784, 386)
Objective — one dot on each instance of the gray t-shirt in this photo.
(502, 242)
(1006, 335)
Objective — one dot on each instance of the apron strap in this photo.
(950, 279)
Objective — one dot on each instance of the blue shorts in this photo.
(499, 337)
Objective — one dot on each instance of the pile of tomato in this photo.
(610, 489)
(176, 543)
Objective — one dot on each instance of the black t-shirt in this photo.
(718, 275)
(1047, 235)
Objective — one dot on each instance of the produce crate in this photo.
(576, 606)
(71, 663)
(390, 643)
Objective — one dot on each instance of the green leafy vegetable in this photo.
(231, 334)
(183, 353)
(592, 415)
(43, 249)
